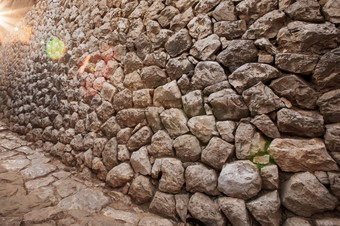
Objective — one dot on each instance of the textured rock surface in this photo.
(235, 210)
(296, 63)
(200, 178)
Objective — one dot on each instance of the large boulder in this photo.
(295, 155)
(304, 195)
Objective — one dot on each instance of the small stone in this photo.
(207, 73)
(152, 115)
(180, 21)
(142, 98)
(200, 178)
(203, 49)
(174, 121)
(225, 11)
(266, 45)
(187, 148)
(168, 96)
(265, 59)
(251, 10)
(172, 178)
(292, 221)
(216, 87)
(178, 66)
(108, 91)
(131, 62)
(123, 100)
(270, 177)
(119, 175)
(105, 111)
(111, 127)
(141, 189)
(133, 81)
(140, 138)
(200, 26)
(193, 103)
(140, 161)
(163, 204)
(296, 63)
(226, 129)
(235, 210)
(130, 117)
(123, 153)
(332, 137)
(161, 145)
(263, 159)
(178, 43)
(329, 106)
(203, 127)
(153, 77)
(109, 153)
(166, 16)
(230, 29)
(266, 126)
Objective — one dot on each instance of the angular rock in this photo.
(205, 6)
(332, 137)
(153, 77)
(207, 73)
(99, 168)
(237, 53)
(130, 117)
(200, 178)
(140, 161)
(294, 155)
(123, 135)
(266, 45)
(295, 90)
(204, 209)
(225, 11)
(119, 175)
(228, 105)
(270, 177)
(161, 145)
(152, 115)
(300, 36)
(193, 103)
(200, 26)
(266, 209)
(92, 122)
(243, 140)
(182, 201)
(240, 179)
(235, 210)
(123, 153)
(163, 204)
(178, 66)
(327, 71)
(304, 195)
(267, 26)
(230, 29)
(109, 153)
(304, 10)
(216, 87)
(172, 178)
(168, 96)
(334, 181)
(296, 63)
(140, 138)
(166, 16)
(132, 62)
(203, 127)
(251, 10)
(217, 152)
(142, 98)
(187, 148)
(108, 91)
(133, 81)
(329, 104)
(331, 11)
(105, 111)
(42, 215)
(174, 121)
(266, 126)
(261, 99)
(180, 21)
(249, 74)
(203, 49)
(292, 221)
(178, 43)
(157, 58)
(141, 189)
(123, 100)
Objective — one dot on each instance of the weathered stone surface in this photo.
(132, 62)
(200, 26)
(200, 178)
(180, 21)
(249, 74)
(251, 10)
(109, 153)
(166, 16)
(305, 11)
(204, 209)
(193, 103)
(300, 123)
(203, 49)
(99, 168)
(334, 181)
(217, 152)
(178, 66)
(152, 115)
(130, 117)
(327, 71)
(240, 179)
(161, 145)
(123, 153)
(207, 73)
(235, 210)
(141, 189)
(296, 63)
(216, 87)
(266, 26)
(140, 138)
(153, 77)
(175, 122)
(156, 221)
(266, 126)
(168, 96)
(329, 104)
(226, 130)
(182, 201)
(243, 140)
(292, 221)
(157, 58)
(237, 53)
(295, 90)
(230, 29)
(225, 11)
(178, 43)
(327, 221)
(331, 11)
(332, 137)
(187, 148)
(163, 204)
(270, 177)
(266, 209)
(261, 99)
(304, 195)
(140, 161)
(172, 178)
(41, 215)
(105, 111)
(121, 216)
(294, 155)
(119, 175)
(300, 36)
(228, 105)
(142, 98)
(37, 170)
(203, 127)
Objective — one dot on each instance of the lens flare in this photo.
(55, 48)
(85, 62)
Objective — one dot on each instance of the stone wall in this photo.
(202, 109)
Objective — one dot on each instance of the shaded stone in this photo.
(226, 130)
(109, 153)
(178, 66)
(99, 168)
(240, 179)
(235, 210)
(133, 81)
(123, 135)
(329, 104)
(92, 122)
(200, 26)
(332, 137)
(141, 189)
(327, 221)
(270, 177)
(305, 11)
(178, 43)
(172, 178)
(168, 96)
(296, 90)
(123, 153)
(130, 117)
(140, 138)
(200, 178)
(261, 99)
(163, 204)
(204, 209)
(157, 58)
(207, 73)
(140, 161)
(237, 53)
(331, 11)
(105, 110)
(243, 140)
(251, 10)
(193, 103)
(152, 115)
(166, 16)
(182, 201)
(119, 175)
(225, 11)
(187, 148)
(294, 155)
(334, 181)
(230, 29)
(122, 100)
(228, 105)
(161, 145)
(266, 209)
(203, 127)
(266, 126)
(108, 91)
(296, 63)
(292, 221)
(304, 195)
(132, 62)
(217, 152)
(142, 98)
(111, 127)
(174, 121)
(203, 49)
(216, 87)
(153, 77)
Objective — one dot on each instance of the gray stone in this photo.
(105, 110)
(168, 96)
(123, 135)
(174, 121)
(294, 155)
(243, 140)
(329, 104)
(296, 90)
(42, 215)
(178, 43)
(161, 145)
(163, 204)
(204, 209)
(200, 26)
(266, 126)
(166, 16)
(230, 29)
(304, 10)
(178, 66)
(237, 53)
(141, 189)
(157, 58)
(37, 170)
(200, 178)
(193, 103)
(203, 49)
(203, 127)
(133, 81)
(140, 161)
(180, 21)
(108, 91)
(226, 130)
(225, 11)
(228, 105)
(240, 179)
(217, 152)
(153, 77)
(119, 175)
(207, 73)
(331, 11)
(172, 178)
(109, 153)
(123, 100)
(140, 138)
(296, 63)
(130, 117)
(332, 137)
(92, 122)
(270, 177)
(266, 45)
(132, 62)
(187, 148)
(123, 153)
(182, 201)
(261, 99)
(152, 115)
(111, 127)
(304, 195)
(235, 210)
(251, 10)
(266, 209)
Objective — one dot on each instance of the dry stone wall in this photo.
(212, 110)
